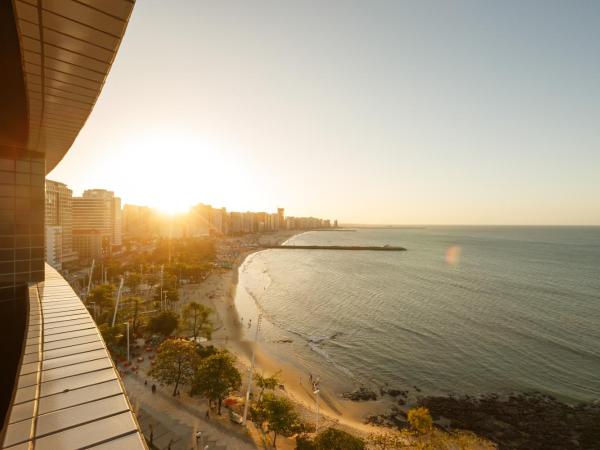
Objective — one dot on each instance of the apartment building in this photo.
(59, 226)
(97, 223)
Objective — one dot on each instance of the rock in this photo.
(521, 421)
(361, 394)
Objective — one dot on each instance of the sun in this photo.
(173, 171)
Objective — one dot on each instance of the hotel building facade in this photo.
(59, 388)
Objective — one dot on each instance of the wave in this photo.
(318, 349)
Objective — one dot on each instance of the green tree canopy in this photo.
(113, 336)
(206, 351)
(175, 362)
(131, 312)
(263, 382)
(133, 280)
(279, 415)
(196, 316)
(216, 377)
(102, 296)
(164, 323)
(334, 439)
(419, 419)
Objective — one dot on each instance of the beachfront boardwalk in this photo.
(175, 422)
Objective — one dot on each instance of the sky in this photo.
(382, 112)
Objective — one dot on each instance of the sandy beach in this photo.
(218, 292)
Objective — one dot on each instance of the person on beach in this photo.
(154, 389)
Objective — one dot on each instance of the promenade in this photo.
(174, 422)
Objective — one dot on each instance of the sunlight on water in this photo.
(472, 309)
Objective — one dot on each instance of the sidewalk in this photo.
(175, 422)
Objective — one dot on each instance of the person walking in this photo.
(154, 389)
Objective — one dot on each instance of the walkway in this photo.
(175, 422)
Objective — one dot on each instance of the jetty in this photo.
(386, 248)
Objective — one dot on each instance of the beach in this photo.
(218, 292)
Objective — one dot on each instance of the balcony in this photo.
(68, 394)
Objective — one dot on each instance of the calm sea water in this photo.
(464, 310)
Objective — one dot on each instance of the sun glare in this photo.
(174, 171)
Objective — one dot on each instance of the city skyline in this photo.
(94, 225)
(371, 117)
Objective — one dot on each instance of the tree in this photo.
(197, 318)
(420, 420)
(102, 296)
(175, 362)
(205, 351)
(132, 311)
(112, 336)
(216, 377)
(279, 414)
(164, 323)
(265, 383)
(133, 280)
(334, 439)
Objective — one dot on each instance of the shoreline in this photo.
(496, 416)
(218, 291)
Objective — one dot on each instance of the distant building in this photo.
(273, 222)
(216, 222)
(59, 226)
(139, 222)
(91, 244)
(97, 221)
(236, 225)
(260, 222)
(54, 245)
(281, 217)
(199, 220)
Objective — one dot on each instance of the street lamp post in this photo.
(199, 437)
(162, 272)
(316, 392)
(247, 402)
(117, 302)
(128, 359)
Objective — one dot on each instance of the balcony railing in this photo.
(68, 393)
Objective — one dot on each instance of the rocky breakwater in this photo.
(521, 421)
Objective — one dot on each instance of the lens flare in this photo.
(453, 255)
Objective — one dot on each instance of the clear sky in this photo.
(449, 112)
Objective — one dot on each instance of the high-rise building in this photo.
(199, 220)
(59, 225)
(216, 222)
(139, 221)
(281, 216)
(97, 224)
(260, 221)
(236, 223)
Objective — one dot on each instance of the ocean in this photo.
(465, 310)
